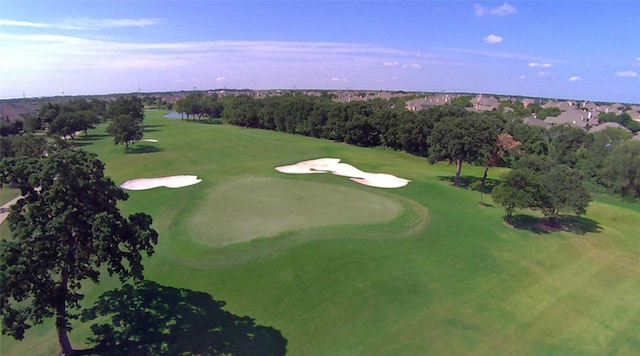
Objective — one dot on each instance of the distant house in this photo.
(485, 103)
(427, 102)
(574, 117)
(634, 112)
(536, 122)
(562, 105)
(607, 124)
(15, 111)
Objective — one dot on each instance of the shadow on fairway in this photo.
(152, 128)
(138, 149)
(467, 182)
(83, 140)
(151, 319)
(575, 224)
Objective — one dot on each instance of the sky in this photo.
(582, 50)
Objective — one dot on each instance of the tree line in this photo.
(451, 133)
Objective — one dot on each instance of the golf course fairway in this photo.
(339, 268)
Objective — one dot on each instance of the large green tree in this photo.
(543, 185)
(66, 229)
(125, 129)
(469, 139)
(520, 189)
(591, 159)
(621, 171)
(126, 105)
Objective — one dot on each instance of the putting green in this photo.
(246, 209)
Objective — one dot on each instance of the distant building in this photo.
(607, 124)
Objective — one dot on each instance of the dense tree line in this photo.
(448, 132)
(199, 106)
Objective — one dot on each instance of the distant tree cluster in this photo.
(67, 119)
(199, 106)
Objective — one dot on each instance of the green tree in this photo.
(591, 159)
(543, 185)
(463, 139)
(66, 229)
(131, 106)
(67, 124)
(621, 171)
(31, 123)
(520, 189)
(125, 129)
(27, 146)
(564, 191)
(564, 141)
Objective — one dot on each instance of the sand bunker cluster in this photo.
(333, 165)
(321, 165)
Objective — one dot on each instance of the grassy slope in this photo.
(465, 283)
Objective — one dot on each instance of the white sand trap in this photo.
(149, 140)
(169, 182)
(333, 165)
(322, 165)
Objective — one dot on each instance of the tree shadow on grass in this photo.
(138, 149)
(467, 182)
(152, 128)
(568, 223)
(83, 140)
(152, 319)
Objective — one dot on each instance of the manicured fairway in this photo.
(418, 270)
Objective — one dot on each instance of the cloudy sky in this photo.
(586, 50)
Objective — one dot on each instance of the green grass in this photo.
(246, 209)
(426, 270)
(8, 194)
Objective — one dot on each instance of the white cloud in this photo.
(390, 64)
(493, 39)
(544, 74)
(334, 79)
(502, 10)
(522, 77)
(412, 65)
(540, 65)
(628, 73)
(575, 78)
(85, 23)
(221, 79)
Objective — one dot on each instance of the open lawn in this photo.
(348, 269)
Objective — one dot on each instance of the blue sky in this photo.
(585, 50)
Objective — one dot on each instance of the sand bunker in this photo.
(149, 140)
(333, 165)
(169, 182)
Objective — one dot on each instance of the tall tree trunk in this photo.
(61, 314)
(458, 169)
(65, 344)
(484, 177)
